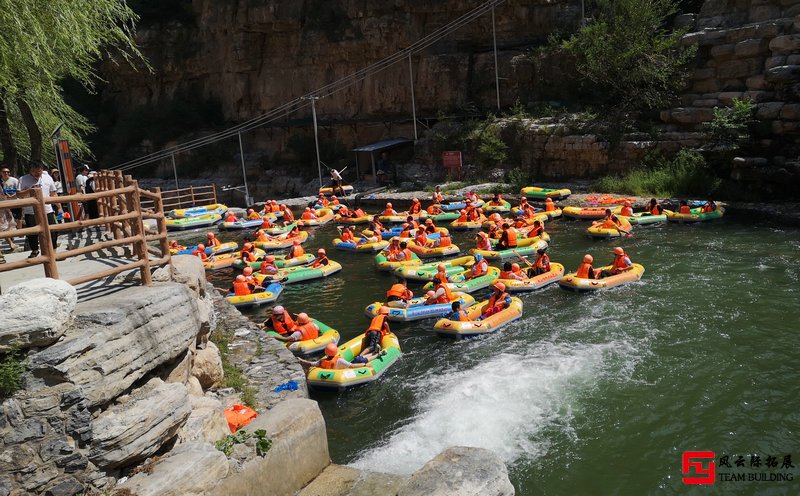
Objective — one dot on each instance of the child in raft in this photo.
(708, 206)
(333, 360)
(304, 330)
(653, 208)
(622, 263)
(498, 301)
(684, 208)
(399, 296)
(279, 321)
(457, 314)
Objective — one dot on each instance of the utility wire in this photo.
(325, 91)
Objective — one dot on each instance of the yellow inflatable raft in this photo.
(324, 215)
(225, 260)
(270, 294)
(339, 379)
(280, 243)
(327, 335)
(363, 247)
(432, 252)
(470, 224)
(571, 282)
(384, 263)
(328, 191)
(589, 213)
(610, 232)
(697, 215)
(473, 327)
(536, 282)
(538, 193)
(352, 220)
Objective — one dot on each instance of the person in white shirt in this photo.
(38, 179)
(81, 178)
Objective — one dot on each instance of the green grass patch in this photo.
(234, 376)
(685, 175)
(12, 365)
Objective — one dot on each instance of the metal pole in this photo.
(174, 170)
(413, 102)
(247, 200)
(316, 137)
(496, 74)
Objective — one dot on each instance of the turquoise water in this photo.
(590, 394)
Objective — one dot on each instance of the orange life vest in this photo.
(445, 241)
(308, 331)
(511, 236)
(447, 297)
(706, 209)
(505, 274)
(473, 214)
(434, 210)
(549, 207)
(241, 288)
(343, 212)
(329, 363)
(537, 231)
(318, 262)
(619, 263)
(324, 202)
(484, 244)
(248, 256)
(359, 213)
(200, 254)
(497, 298)
(407, 254)
(215, 241)
(626, 211)
(656, 210)
(422, 238)
(462, 218)
(389, 212)
(480, 268)
(379, 324)
(230, 218)
(520, 223)
(685, 209)
(296, 251)
(334, 202)
(399, 291)
(414, 208)
(542, 261)
(437, 197)
(462, 316)
(583, 270)
(288, 215)
(265, 266)
(347, 236)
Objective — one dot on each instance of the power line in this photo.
(327, 90)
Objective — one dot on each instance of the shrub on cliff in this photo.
(11, 369)
(730, 124)
(629, 60)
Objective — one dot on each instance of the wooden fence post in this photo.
(158, 207)
(45, 241)
(137, 230)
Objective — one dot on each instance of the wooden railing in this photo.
(119, 202)
(188, 197)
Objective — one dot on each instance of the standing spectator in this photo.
(7, 224)
(336, 182)
(10, 186)
(90, 207)
(56, 175)
(37, 179)
(80, 185)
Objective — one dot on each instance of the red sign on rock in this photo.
(452, 163)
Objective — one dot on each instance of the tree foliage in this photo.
(628, 57)
(42, 42)
(730, 124)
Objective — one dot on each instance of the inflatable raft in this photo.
(363, 247)
(417, 310)
(241, 224)
(695, 216)
(280, 262)
(269, 295)
(505, 207)
(324, 215)
(339, 379)
(397, 219)
(327, 335)
(525, 246)
(292, 275)
(278, 230)
(432, 252)
(196, 222)
(210, 250)
(571, 282)
(425, 272)
(472, 327)
(226, 260)
(645, 218)
(280, 243)
(470, 224)
(214, 208)
(384, 263)
(537, 193)
(589, 213)
(443, 217)
(352, 221)
(536, 282)
(610, 232)
(348, 190)
(470, 285)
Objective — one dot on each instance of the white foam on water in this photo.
(500, 404)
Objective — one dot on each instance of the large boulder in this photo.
(138, 425)
(188, 470)
(35, 313)
(116, 341)
(206, 422)
(461, 471)
(207, 366)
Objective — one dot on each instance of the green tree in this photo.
(628, 57)
(42, 42)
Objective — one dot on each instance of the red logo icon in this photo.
(691, 463)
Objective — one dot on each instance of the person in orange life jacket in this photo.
(494, 231)
(378, 328)
(293, 232)
(267, 223)
(416, 207)
(523, 202)
(261, 236)
(610, 221)
(334, 200)
(456, 313)
(268, 267)
(685, 208)
(322, 201)
(389, 211)
(344, 212)
(296, 250)
(477, 214)
(358, 212)
(498, 300)
(173, 245)
(496, 201)
(519, 221)
(200, 251)
(441, 293)
(252, 214)
(622, 263)
(399, 296)
(437, 197)
(375, 225)
(586, 271)
(279, 321)
(303, 331)
(463, 216)
(322, 259)
(413, 223)
(434, 209)
(347, 235)
(247, 272)
(212, 240)
(538, 229)
(542, 263)
(654, 208)
(241, 287)
(393, 249)
(288, 216)
(404, 254)
(509, 273)
(549, 206)
(421, 239)
(472, 196)
(708, 206)
(430, 227)
(627, 209)
(308, 214)
(231, 217)
(516, 269)
(496, 218)
(444, 240)
(479, 268)
(483, 242)
(248, 253)
(332, 360)
(508, 239)
(529, 212)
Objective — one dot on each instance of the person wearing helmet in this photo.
(586, 271)
(252, 214)
(332, 360)
(413, 223)
(415, 208)
(212, 240)
(441, 292)
(247, 272)
(308, 214)
(248, 253)
(378, 328)
(445, 240)
(296, 250)
(462, 216)
(434, 209)
(430, 227)
(334, 201)
(322, 201)
(304, 330)
(389, 211)
(322, 259)
(406, 232)
(622, 263)
(241, 287)
(347, 235)
(538, 229)
(542, 263)
(280, 321)
(549, 206)
(421, 239)
(268, 267)
(519, 221)
(627, 209)
(483, 242)
(479, 268)
(231, 217)
(508, 272)
(508, 238)
(266, 222)
(399, 296)
(261, 236)
(456, 313)
(498, 300)
(288, 216)
(200, 251)
(344, 212)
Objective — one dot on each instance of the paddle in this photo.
(522, 258)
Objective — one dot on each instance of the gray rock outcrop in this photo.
(35, 313)
(118, 340)
(137, 426)
(206, 422)
(207, 366)
(461, 471)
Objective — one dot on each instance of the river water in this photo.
(591, 394)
